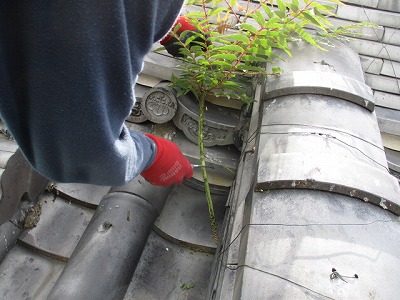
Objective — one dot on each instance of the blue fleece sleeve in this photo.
(67, 71)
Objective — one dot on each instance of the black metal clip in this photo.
(335, 274)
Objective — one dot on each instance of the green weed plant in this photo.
(235, 39)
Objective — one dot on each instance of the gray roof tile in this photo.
(393, 159)
(391, 36)
(376, 49)
(87, 195)
(362, 14)
(9, 234)
(170, 272)
(388, 120)
(59, 229)
(371, 65)
(191, 225)
(383, 83)
(167, 270)
(7, 145)
(391, 68)
(4, 157)
(387, 100)
(25, 274)
(391, 5)
(369, 3)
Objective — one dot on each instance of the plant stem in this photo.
(200, 143)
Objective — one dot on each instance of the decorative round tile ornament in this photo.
(159, 104)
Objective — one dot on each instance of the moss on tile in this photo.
(33, 216)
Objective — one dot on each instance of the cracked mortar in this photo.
(33, 216)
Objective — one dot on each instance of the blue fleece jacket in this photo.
(67, 72)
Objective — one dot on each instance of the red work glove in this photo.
(169, 165)
(170, 42)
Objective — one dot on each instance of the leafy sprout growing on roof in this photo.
(234, 41)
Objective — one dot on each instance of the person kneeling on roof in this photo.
(67, 73)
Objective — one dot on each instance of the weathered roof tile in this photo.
(362, 14)
(59, 229)
(87, 195)
(168, 271)
(26, 274)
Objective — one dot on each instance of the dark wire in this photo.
(325, 135)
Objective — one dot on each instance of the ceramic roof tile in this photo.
(4, 157)
(383, 83)
(166, 270)
(371, 64)
(388, 120)
(362, 14)
(192, 227)
(391, 5)
(391, 68)
(369, 3)
(24, 274)
(87, 195)
(170, 272)
(376, 49)
(9, 234)
(7, 145)
(387, 100)
(59, 228)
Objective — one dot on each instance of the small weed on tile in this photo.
(187, 286)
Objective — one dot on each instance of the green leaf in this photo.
(259, 17)
(222, 64)
(327, 9)
(336, 1)
(194, 15)
(159, 49)
(261, 43)
(267, 10)
(274, 22)
(244, 67)
(189, 40)
(252, 50)
(234, 48)
(237, 37)
(282, 6)
(217, 39)
(306, 36)
(280, 14)
(249, 27)
(177, 27)
(294, 8)
(253, 58)
(215, 11)
(231, 85)
(200, 44)
(322, 18)
(227, 56)
(184, 51)
(197, 50)
(183, 35)
(204, 62)
(187, 286)
(307, 15)
(276, 70)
